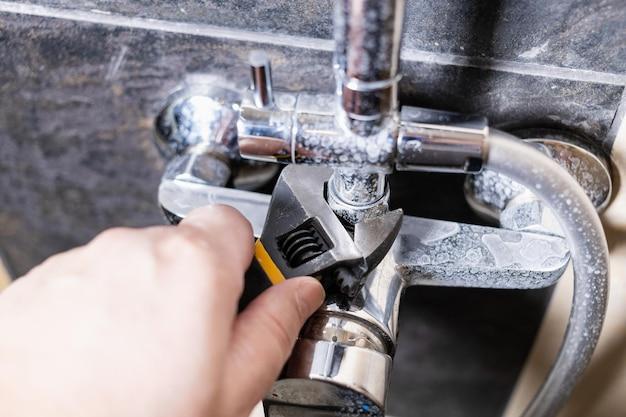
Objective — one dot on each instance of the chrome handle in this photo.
(261, 72)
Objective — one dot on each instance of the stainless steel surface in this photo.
(200, 118)
(367, 51)
(357, 127)
(489, 194)
(355, 196)
(367, 54)
(322, 138)
(341, 328)
(585, 237)
(261, 72)
(344, 358)
(346, 380)
(265, 133)
(180, 197)
(515, 207)
(435, 252)
(357, 187)
(359, 133)
(434, 140)
(201, 168)
(196, 130)
(590, 168)
(303, 129)
(378, 302)
(375, 236)
(356, 131)
(527, 212)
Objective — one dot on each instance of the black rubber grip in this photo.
(256, 281)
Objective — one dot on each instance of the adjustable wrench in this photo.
(303, 237)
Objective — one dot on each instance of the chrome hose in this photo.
(589, 253)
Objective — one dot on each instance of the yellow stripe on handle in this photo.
(267, 264)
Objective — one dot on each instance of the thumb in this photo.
(263, 338)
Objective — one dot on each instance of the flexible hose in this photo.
(589, 253)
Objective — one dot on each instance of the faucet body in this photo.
(355, 132)
(358, 131)
(342, 361)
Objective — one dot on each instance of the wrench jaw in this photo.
(304, 236)
(374, 238)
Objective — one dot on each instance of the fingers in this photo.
(213, 245)
(226, 231)
(204, 259)
(263, 338)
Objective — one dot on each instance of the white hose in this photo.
(589, 253)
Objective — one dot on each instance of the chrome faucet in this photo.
(357, 131)
(356, 137)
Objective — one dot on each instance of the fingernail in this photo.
(311, 294)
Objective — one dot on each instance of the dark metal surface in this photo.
(462, 350)
(574, 34)
(298, 201)
(307, 238)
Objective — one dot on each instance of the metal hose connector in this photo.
(589, 253)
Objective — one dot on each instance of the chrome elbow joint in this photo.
(265, 133)
(440, 141)
(304, 129)
(200, 118)
(196, 132)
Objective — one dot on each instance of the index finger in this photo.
(227, 234)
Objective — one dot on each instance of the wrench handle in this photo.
(262, 274)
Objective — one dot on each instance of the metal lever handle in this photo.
(261, 72)
(501, 258)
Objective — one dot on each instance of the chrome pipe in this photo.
(367, 54)
(343, 358)
(261, 74)
(583, 231)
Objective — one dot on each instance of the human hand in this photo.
(144, 323)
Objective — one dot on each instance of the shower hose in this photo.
(589, 254)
